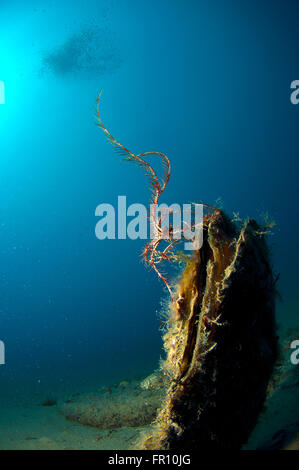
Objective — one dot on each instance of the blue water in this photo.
(208, 84)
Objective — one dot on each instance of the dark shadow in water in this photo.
(279, 422)
(91, 50)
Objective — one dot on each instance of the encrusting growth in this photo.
(221, 344)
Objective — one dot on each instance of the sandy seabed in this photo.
(113, 417)
(103, 419)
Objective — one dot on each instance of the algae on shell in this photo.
(221, 343)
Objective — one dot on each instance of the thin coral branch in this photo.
(152, 254)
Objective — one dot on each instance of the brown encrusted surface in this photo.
(221, 343)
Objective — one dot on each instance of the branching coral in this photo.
(221, 342)
(153, 254)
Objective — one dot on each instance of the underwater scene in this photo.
(149, 225)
